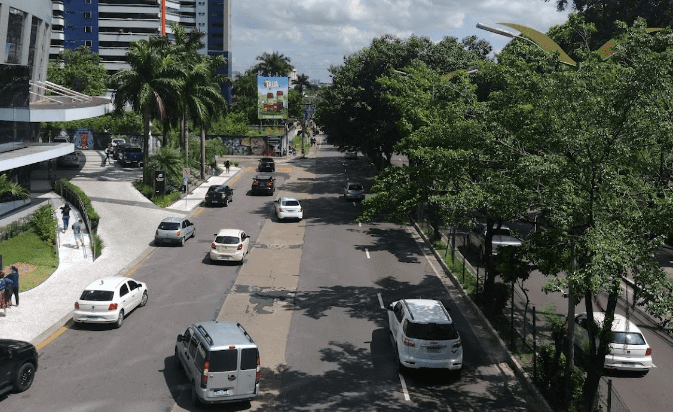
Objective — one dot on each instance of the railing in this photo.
(72, 197)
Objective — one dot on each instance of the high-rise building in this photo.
(109, 26)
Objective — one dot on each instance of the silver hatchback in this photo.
(174, 230)
(354, 191)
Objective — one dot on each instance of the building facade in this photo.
(109, 26)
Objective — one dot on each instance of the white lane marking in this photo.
(404, 388)
(367, 253)
(381, 301)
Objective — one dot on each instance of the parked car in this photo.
(114, 143)
(69, 160)
(351, 154)
(221, 361)
(174, 230)
(501, 237)
(629, 351)
(130, 154)
(229, 245)
(109, 300)
(118, 148)
(266, 164)
(354, 191)
(288, 208)
(219, 195)
(423, 335)
(263, 184)
(18, 364)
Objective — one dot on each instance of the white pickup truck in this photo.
(501, 237)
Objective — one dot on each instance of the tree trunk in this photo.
(185, 129)
(146, 144)
(203, 153)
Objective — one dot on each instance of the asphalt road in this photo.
(333, 354)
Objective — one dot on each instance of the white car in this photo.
(288, 208)
(108, 300)
(230, 245)
(423, 335)
(629, 351)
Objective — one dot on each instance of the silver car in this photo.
(174, 230)
(71, 159)
(354, 191)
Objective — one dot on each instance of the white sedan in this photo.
(288, 208)
(108, 300)
(229, 245)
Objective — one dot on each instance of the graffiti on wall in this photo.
(83, 139)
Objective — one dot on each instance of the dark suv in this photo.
(219, 195)
(266, 164)
(263, 184)
(18, 363)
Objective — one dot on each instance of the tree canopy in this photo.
(79, 70)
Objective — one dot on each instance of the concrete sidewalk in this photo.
(128, 221)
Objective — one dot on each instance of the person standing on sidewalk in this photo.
(4, 303)
(77, 231)
(107, 153)
(65, 211)
(227, 165)
(14, 277)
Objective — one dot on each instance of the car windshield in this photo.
(430, 331)
(628, 338)
(354, 187)
(501, 232)
(290, 203)
(97, 295)
(219, 189)
(169, 225)
(227, 240)
(266, 160)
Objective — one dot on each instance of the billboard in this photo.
(272, 97)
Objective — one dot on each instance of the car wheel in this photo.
(24, 377)
(182, 241)
(120, 319)
(194, 234)
(226, 202)
(195, 398)
(144, 299)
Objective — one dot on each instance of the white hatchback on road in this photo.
(108, 300)
(229, 245)
(288, 208)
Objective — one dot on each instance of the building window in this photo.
(88, 29)
(87, 14)
(87, 1)
(87, 43)
(14, 43)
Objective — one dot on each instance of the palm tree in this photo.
(273, 65)
(301, 82)
(169, 159)
(153, 79)
(11, 188)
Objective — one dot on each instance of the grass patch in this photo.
(161, 201)
(456, 266)
(39, 255)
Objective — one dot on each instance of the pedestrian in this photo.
(227, 165)
(3, 298)
(77, 231)
(107, 153)
(65, 212)
(14, 277)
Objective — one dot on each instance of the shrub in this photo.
(551, 378)
(43, 223)
(14, 229)
(98, 244)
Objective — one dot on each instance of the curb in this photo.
(511, 360)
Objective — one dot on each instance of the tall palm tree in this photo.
(169, 159)
(152, 80)
(301, 82)
(273, 65)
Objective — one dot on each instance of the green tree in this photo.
(245, 94)
(152, 80)
(169, 159)
(79, 70)
(272, 65)
(231, 124)
(301, 83)
(8, 187)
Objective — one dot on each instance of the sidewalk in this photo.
(127, 224)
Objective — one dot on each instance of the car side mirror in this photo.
(180, 338)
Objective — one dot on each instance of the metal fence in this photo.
(608, 400)
(73, 198)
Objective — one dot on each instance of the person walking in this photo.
(65, 212)
(77, 231)
(227, 165)
(107, 153)
(14, 277)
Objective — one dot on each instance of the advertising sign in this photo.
(272, 97)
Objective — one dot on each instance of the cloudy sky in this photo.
(316, 34)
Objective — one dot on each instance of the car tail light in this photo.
(648, 352)
(457, 344)
(113, 306)
(157, 232)
(301, 209)
(76, 305)
(407, 342)
(207, 194)
(258, 374)
(178, 234)
(240, 246)
(268, 184)
(255, 183)
(212, 245)
(204, 375)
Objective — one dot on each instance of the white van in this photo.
(221, 361)
(628, 348)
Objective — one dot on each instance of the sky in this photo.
(317, 34)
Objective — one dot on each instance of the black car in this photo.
(219, 195)
(18, 363)
(118, 149)
(263, 184)
(266, 164)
